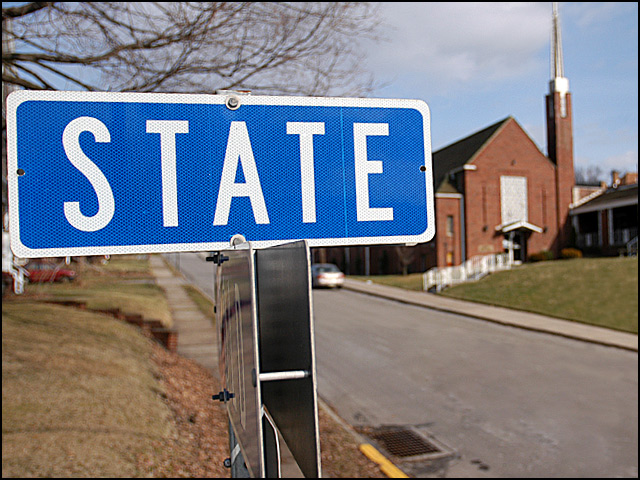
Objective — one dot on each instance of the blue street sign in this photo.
(96, 173)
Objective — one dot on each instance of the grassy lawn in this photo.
(79, 394)
(125, 282)
(203, 303)
(597, 291)
(413, 281)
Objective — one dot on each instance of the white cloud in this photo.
(593, 14)
(625, 162)
(622, 163)
(454, 43)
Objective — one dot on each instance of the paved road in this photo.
(515, 403)
(510, 402)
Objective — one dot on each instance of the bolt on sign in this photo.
(95, 173)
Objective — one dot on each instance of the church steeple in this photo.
(559, 83)
(560, 132)
(556, 46)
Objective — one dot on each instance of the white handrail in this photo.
(472, 269)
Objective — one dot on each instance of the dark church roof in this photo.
(458, 154)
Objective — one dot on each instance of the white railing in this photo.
(11, 266)
(632, 247)
(624, 235)
(473, 269)
(18, 274)
(588, 240)
(619, 237)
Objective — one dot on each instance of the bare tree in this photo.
(406, 255)
(590, 175)
(298, 48)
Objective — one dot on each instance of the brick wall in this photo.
(560, 151)
(510, 153)
(448, 243)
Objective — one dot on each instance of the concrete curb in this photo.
(388, 468)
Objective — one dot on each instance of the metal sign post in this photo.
(287, 349)
(267, 359)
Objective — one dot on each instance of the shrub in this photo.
(570, 253)
(542, 256)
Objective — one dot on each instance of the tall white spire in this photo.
(556, 46)
(559, 83)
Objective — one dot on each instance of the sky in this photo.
(474, 64)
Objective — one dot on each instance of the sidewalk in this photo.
(197, 337)
(504, 316)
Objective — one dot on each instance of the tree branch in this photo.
(22, 10)
(20, 81)
(268, 47)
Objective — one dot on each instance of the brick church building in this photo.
(494, 190)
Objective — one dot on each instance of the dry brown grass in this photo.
(85, 395)
(79, 394)
(125, 283)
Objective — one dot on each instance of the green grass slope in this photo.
(597, 291)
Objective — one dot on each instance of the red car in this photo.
(49, 272)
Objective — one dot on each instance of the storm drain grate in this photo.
(402, 442)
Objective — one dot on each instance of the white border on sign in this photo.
(16, 98)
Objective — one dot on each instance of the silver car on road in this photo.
(326, 275)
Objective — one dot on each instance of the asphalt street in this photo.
(510, 402)
(507, 402)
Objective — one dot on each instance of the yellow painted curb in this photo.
(388, 468)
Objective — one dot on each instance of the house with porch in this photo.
(606, 222)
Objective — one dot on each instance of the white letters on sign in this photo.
(364, 167)
(306, 132)
(106, 203)
(238, 153)
(168, 130)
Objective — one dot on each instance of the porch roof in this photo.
(621, 196)
(519, 225)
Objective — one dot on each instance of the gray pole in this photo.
(366, 261)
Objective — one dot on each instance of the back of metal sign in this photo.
(238, 357)
(286, 346)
